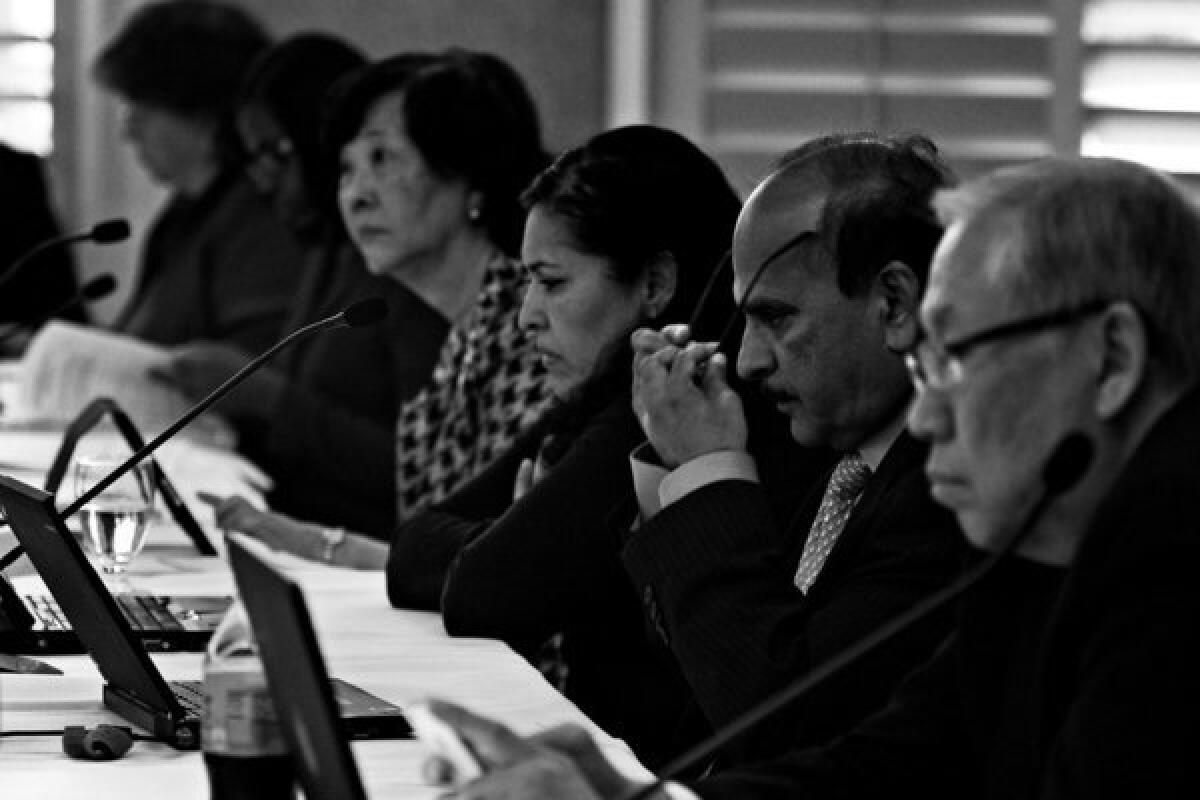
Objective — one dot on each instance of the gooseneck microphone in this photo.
(107, 232)
(360, 314)
(99, 287)
(1066, 465)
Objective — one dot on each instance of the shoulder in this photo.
(1149, 520)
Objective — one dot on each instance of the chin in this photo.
(984, 532)
(562, 386)
(805, 434)
(376, 263)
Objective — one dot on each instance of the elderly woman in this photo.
(433, 151)
(216, 263)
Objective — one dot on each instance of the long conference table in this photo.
(398, 655)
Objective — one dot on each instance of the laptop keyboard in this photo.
(190, 695)
(143, 612)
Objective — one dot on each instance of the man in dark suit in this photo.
(842, 234)
(1064, 300)
(27, 220)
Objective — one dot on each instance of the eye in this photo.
(538, 275)
(548, 283)
(380, 157)
(771, 319)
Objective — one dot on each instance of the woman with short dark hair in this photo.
(623, 231)
(215, 264)
(433, 150)
(320, 418)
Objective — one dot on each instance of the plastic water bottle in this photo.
(244, 750)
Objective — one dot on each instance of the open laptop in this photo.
(284, 632)
(134, 688)
(35, 623)
(299, 681)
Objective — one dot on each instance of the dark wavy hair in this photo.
(634, 193)
(469, 115)
(631, 195)
(187, 57)
(184, 56)
(290, 82)
(879, 203)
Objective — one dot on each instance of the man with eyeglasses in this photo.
(1064, 302)
(830, 254)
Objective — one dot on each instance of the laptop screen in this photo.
(297, 676)
(81, 593)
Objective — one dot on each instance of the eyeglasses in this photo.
(268, 156)
(931, 366)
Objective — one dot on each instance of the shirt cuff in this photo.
(677, 791)
(722, 465)
(648, 473)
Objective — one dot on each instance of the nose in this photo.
(356, 191)
(130, 123)
(754, 361)
(929, 415)
(532, 316)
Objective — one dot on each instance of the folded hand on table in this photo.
(563, 762)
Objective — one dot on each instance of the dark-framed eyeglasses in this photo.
(932, 366)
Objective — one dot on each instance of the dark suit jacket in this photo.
(219, 266)
(715, 570)
(329, 443)
(1056, 684)
(549, 564)
(26, 219)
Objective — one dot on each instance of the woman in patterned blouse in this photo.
(433, 151)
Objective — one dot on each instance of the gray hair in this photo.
(1076, 230)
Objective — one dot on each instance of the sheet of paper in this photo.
(68, 365)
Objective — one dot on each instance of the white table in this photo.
(398, 655)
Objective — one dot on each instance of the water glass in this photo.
(114, 522)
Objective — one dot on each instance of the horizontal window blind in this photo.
(26, 74)
(977, 76)
(1140, 84)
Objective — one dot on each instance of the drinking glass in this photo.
(114, 522)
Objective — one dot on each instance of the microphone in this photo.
(360, 314)
(1063, 469)
(107, 232)
(99, 287)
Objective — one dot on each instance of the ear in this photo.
(1123, 360)
(896, 294)
(658, 283)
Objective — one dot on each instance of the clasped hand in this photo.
(681, 396)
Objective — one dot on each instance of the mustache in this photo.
(774, 396)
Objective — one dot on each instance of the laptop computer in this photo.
(298, 679)
(134, 688)
(284, 632)
(35, 623)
